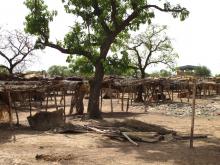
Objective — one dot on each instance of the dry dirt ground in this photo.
(21, 145)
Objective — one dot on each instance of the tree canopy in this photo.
(99, 26)
(80, 66)
(151, 48)
(202, 71)
(161, 73)
(114, 65)
(99, 23)
(57, 70)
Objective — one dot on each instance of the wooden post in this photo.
(47, 101)
(172, 95)
(64, 105)
(188, 91)
(168, 92)
(122, 99)
(101, 100)
(132, 96)
(128, 102)
(145, 99)
(193, 113)
(30, 106)
(118, 95)
(111, 97)
(10, 108)
(55, 100)
(16, 113)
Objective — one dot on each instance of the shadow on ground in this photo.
(8, 133)
(116, 115)
(205, 151)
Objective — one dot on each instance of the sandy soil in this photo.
(21, 145)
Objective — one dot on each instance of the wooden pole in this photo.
(101, 100)
(16, 113)
(193, 113)
(10, 108)
(64, 105)
(188, 91)
(55, 100)
(122, 99)
(47, 101)
(128, 102)
(145, 99)
(132, 96)
(111, 97)
(30, 106)
(172, 95)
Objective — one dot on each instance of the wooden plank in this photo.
(95, 129)
(129, 139)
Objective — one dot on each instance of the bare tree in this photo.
(16, 50)
(151, 48)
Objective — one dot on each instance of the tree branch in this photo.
(162, 9)
(98, 13)
(114, 13)
(4, 56)
(159, 43)
(136, 13)
(67, 51)
(160, 61)
(138, 55)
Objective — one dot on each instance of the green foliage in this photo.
(161, 73)
(80, 66)
(119, 66)
(57, 70)
(155, 74)
(113, 65)
(37, 22)
(165, 73)
(98, 22)
(202, 71)
(3, 71)
(99, 25)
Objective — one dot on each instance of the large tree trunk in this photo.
(95, 87)
(140, 90)
(10, 70)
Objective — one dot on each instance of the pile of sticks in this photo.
(125, 134)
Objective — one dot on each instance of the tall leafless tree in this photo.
(151, 48)
(16, 50)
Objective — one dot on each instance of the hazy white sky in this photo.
(196, 39)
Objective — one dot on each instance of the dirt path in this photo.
(21, 145)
